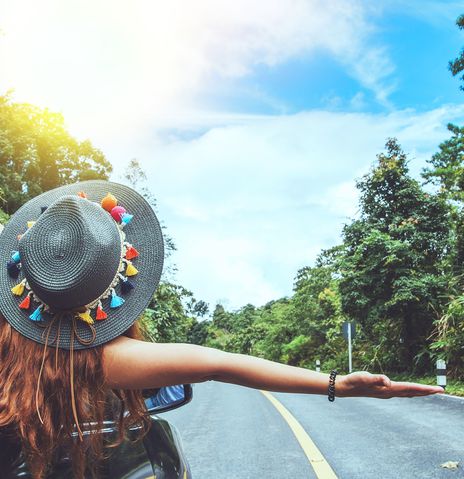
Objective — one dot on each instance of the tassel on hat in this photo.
(15, 257)
(126, 218)
(131, 270)
(131, 252)
(116, 300)
(37, 314)
(126, 284)
(30, 224)
(18, 290)
(100, 313)
(86, 317)
(26, 302)
(13, 269)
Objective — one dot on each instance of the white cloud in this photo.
(254, 199)
(114, 67)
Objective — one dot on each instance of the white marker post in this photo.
(349, 333)
(318, 365)
(441, 373)
(350, 363)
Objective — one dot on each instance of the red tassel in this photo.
(131, 253)
(100, 314)
(26, 302)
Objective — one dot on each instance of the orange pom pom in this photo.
(82, 194)
(109, 202)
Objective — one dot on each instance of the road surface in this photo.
(233, 432)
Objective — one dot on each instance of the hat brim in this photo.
(144, 232)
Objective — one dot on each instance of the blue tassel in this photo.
(15, 257)
(116, 300)
(126, 218)
(37, 314)
(126, 285)
(13, 269)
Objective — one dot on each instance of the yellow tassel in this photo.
(131, 270)
(30, 224)
(86, 317)
(18, 290)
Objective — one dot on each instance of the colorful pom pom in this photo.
(13, 269)
(37, 314)
(26, 302)
(109, 202)
(131, 270)
(15, 257)
(116, 300)
(131, 252)
(126, 218)
(43, 209)
(117, 212)
(19, 237)
(86, 317)
(30, 224)
(81, 194)
(18, 290)
(100, 313)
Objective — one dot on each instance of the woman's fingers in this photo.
(413, 389)
(381, 386)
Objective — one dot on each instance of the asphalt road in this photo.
(233, 432)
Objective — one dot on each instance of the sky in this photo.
(252, 119)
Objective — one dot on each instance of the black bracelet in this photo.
(332, 376)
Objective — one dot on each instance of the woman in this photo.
(82, 263)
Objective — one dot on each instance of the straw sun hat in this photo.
(79, 264)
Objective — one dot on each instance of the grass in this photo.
(453, 386)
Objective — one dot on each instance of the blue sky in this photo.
(252, 119)
(417, 45)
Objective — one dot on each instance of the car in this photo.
(159, 455)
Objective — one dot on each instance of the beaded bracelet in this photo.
(332, 376)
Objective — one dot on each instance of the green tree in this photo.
(446, 171)
(392, 262)
(316, 316)
(166, 320)
(456, 66)
(37, 154)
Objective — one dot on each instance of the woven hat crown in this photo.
(80, 264)
(71, 254)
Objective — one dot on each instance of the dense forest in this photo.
(398, 272)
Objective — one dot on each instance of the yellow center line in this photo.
(321, 467)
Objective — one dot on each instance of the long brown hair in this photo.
(41, 444)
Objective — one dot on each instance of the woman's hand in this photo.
(380, 386)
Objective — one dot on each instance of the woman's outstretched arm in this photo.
(133, 364)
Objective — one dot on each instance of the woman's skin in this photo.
(133, 364)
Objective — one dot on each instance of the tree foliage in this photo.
(456, 66)
(37, 154)
(392, 273)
